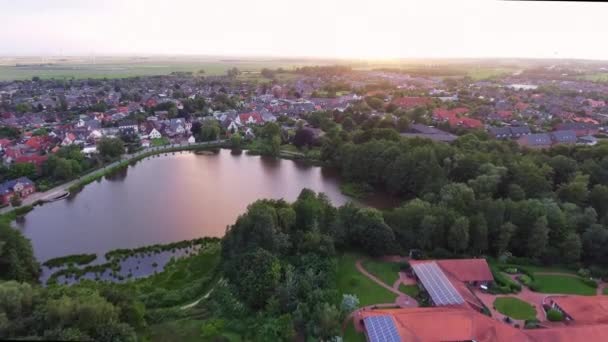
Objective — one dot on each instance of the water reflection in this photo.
(166, 199)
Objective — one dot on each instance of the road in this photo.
(63, 188)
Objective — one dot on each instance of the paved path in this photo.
(63, 188)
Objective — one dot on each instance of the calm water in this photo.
(168, 198)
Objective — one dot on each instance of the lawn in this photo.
(515, 308)
(563, 285)
(351, 281)
(351, 335)
(159, 142)
(388, 272)
(410, 290)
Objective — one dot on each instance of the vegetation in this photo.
(77, 259)
(355, 190)
(515, 308)
(350, 280)
(564, 284)
(410, 290)
(555, 315)
(388, 272)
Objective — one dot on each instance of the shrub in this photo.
(525, 279)
(405, 266)
(590, 282)
(555, 315)
(531, 324)
(510, 270)
(584, 273)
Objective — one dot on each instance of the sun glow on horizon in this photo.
(379, 29)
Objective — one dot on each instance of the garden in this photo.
(515, 308)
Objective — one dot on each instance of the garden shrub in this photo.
(525, 279)
(555, 315)
(510, 270)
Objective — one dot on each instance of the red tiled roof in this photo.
(464, 324)
(448, 324)
(467, 269)
(505, 114)
(411, 101)
(33, 159)
(584, 309)
(455, 117)
(256, 116)
(5, 142)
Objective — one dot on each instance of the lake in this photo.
(169, 198)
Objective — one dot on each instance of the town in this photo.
(46, 120)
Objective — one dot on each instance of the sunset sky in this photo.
(319, 28)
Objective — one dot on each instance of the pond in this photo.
(169, 198)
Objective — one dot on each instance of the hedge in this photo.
(555, 315)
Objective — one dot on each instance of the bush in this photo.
(590, 282)
(525, 279)
(511, 270)
(584, 273)
(555, 315)
(531, 324)
(405, 266)
(505, 284)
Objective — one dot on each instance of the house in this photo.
(249, 118)
(4, 143)
(191, 140)
(428, 132)
(22, 187)
(463, 324)
(89, 150)
(563, 137)
(128, 124)
(580, 128)
(69, 139)
(509, 132)
(154, 134)
(455, 117)
(35, 159)
(411, 102)
(587, 140)
(582, 309)
(538, 140)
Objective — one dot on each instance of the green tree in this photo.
(256, 275)
(572, 248)
(110, 148)
(236, 140)
(598, 198)
(539, 237)
(458, 236)
(17, 261)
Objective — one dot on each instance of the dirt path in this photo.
(188, 306)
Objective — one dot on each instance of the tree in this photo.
(233, 72)
(458, 196)
(256, 275)
(478, 233)
(16, 200)
(348, 124)
(370, 233)
(303, 137)
(576, 191)
(236, 140)
(349, 304)
(503, 238)
(210, 131)
(110, 148)
(22, 170)
(17, 261)
(572, 248)
(539, 237)
(458, 237)
(598, 198)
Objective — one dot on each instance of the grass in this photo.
(388, 272)
(159, 142)
(351, 281)
(410, 290)
(563, 285)
(605, 291)
(183, 330)
(515, 308)
(351, 335)
(355, 190)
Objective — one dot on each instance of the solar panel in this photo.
(381, 329)
(438, 286)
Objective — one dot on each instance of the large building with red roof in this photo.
(456, 117)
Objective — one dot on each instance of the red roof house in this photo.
(411, 102)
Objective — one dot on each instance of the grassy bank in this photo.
(356, 190)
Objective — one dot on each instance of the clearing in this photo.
(388, 272)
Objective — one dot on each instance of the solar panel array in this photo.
(437, 284)
(381, 329)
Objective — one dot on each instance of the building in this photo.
(509, 132)
(22, 186)
(428, 132)
(582, 309)
(546, 140)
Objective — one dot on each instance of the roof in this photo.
(381, 328)
(585, 333)
(467, 269)
(436, 283)
(538, 139)
(584, 309)
(564, 137)
(7, 187)
(411, 101)
(449, 324)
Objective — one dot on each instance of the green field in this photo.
(351, 281)
(563, 285)
(351, 335)
(86, 67)
(388, 272)
(187, 330)
(597, 77)
(410, 290)
(515, 308)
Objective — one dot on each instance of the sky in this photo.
(371, 29)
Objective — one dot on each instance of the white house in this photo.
(155, 134)
(191, 140)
